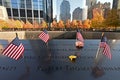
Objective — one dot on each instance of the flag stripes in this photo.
(13, 50)
(106, 49)
(44, 36)
(79, 36)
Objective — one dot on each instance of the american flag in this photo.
(44, 36)
(105, 46)
(79, 36)
(14, 50)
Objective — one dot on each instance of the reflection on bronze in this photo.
(72, 58)
(79, 44)
(79, 47)
(97, 72)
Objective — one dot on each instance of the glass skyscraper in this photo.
(28, 9)
(116, 4)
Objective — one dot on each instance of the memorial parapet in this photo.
(9, 35)
(52, 63)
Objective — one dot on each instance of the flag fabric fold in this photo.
(14, 50)
(79, 40)
(44, 36)
(106, 49)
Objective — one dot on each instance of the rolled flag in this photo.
(79, 40)
(106, 49)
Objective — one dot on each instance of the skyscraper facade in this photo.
(116, 4)
(90, 3)
(69, 9)
(28, 9)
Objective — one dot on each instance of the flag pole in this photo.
(96, 71)
(27, 68)
(98, 49)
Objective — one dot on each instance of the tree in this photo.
(3, 24)
(86, 24)
(80, 25)
(74, 23)
(61, 24)
(68, 23)
(112, 19)
(18, 24)
(44, 24)
(11, 23)
(35, 24)
(28, 25)
(54, 24)
(98, 19)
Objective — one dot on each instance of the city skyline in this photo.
(103, 1)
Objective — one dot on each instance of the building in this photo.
(90, 3)
(116, 4)
(28, 9)
(3, 13)
(69, 9)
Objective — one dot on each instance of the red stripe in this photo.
(10, 49)
(79, 36)
(106, 50)
(15, 52)
(18, 51)
(5, 50)
(43, 36)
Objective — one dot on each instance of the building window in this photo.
(15, 12)
(9, 11)
(41, 14)
(22, 12)
(29, 13)
(22, 4)
(35, 13)
(40, 4)
(14, 3)
(35, 4)
(28, 4)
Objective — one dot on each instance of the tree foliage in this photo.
(35, 24)
(61, 24)
(98, 19)
(74, 24)
(44, 24)
(54, 24)
(86, 24)
(3, 24)
(80, 24)
(28, 25)
(68, 23)
(112, 19)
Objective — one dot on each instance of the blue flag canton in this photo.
(104, 39)
(78, 30)
(16, 41)
(45, 31)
